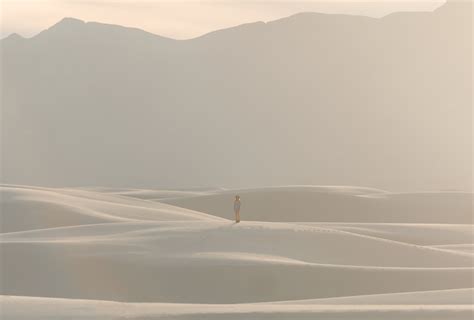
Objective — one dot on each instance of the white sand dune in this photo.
(77, 250)
(337, 204)
(148, 194)
(329, 246)
(186, 261)
(436, 235)
(50, 308)
(38, 208)
(440, 297)
(467, 248)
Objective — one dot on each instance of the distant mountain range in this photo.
(308, 99)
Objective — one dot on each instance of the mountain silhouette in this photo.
(308, 99)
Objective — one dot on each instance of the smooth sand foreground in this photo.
(98, 253)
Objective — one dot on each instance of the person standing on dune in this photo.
(237, 209)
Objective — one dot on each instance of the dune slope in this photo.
(24, 208)
(337, 204)
(85, 248)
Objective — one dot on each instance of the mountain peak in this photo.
(13, 37)
(63, 28)
(68, 23)
(71, 27)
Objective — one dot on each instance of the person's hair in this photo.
(237, 197)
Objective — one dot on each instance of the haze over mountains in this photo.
(308, 99)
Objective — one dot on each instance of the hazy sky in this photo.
(182, 19)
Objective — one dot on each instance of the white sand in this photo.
(48, 308)
(35, 208)
(338, 204)
(69, 253)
